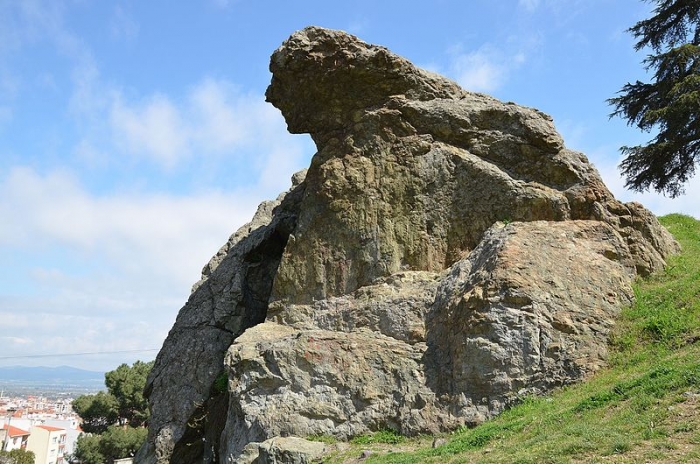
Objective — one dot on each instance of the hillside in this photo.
(23, 380)
(50, 375)
(643, 409)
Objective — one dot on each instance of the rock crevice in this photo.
(187, 413)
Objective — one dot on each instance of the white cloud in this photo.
(123, 25)
(213, 121)
(131, 261)
(86, 272)
(153, 128)
(478, 71)
(15, 340)
(173, 234)
(485, 69)
(222, 119)
(89, 155)
(88, 100)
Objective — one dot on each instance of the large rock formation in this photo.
(444, 254)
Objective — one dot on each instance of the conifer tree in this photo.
(117, 417)
(669, 103)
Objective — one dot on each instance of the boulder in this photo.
(444, 255)
(282, 450)
(530, 309)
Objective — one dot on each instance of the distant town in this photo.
(45, 425)
(36, 413)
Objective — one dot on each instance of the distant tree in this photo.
(120, 442)
(122, 404)
(98, 411)
(87, 449)
(115, 420)
(16, 456)
(115, 443)
(127, 385)
(670, 103)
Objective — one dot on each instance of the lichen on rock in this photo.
(443, 255)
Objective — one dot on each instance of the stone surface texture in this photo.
(444, 255)
(282, 450)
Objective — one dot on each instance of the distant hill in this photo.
(62, 375)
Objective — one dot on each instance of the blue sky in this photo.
(134, 137)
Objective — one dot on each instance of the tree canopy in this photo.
(115, 420)
(122, 404)
(98, 411)
(670, 103)
(127, 384)
(16, 456)
(115, 443)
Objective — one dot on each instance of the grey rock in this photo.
(230, 297)
(395, 306)
(530, 309)
(438, 441)
(287, 381)
(249, 455)
(281, 450)
(290, 450)
(443, 256)
(411, 170)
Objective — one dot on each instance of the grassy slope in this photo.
(644, 408)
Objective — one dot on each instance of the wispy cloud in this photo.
(529, 5)
(173, 234)
(223, 119)
(213, 120)
(485, 69)
(103, 272)
(123, 25)
(154, 129)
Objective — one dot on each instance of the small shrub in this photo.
(382, 436)
(684, 427)
(323, 438)
(621, 447)
(221, 383)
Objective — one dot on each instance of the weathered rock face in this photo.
(528, 310)
(411, 169)
(443, 255)
(231, 297)
(281, 450)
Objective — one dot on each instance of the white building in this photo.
(72, 428)
(48, 444)
(17, 438)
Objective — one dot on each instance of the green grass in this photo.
(383, 436)
(640, 409)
